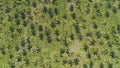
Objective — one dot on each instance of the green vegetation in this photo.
(59, 33)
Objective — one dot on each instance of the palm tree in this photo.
(45, 9)
(62, 51)
(90, 0)
(92, 42)
(101, 65)
(54, 1)
(19, 30)
(106, 36)
(25, 23)
(11, 28)
(108, 5)
(33, 29)
(22, 43)
(47, 32)
(107, 14)
(119, 5)
(53, 24)
(56, 11)
(41, 36)
(88, 10)
(89, 34)
(91, 64)
(17, 48)
(77, 29)
(70, 62)
(19, 58)
(77, 2)
(50, 12)
(28, 40)
(12, 65)
(95, 52)
(17, 22)
(23, 16)
(73, 15)
(40, 28)
(8, 9)
(80, 36)
(3, 51)
(98, 34)
(65, 16)
(47, 1)
(11, 56)
(114, 10)
(86, 47)
(57, 32)
(28, 11)
(26, 61)
(112, 54)
(84, 65)
(95, 26)
(68, 0)
(96, 6)
(72, 36)
(34, 4)
(65, 42)
(58, 21)
(16, 15)
(98, 13)
(110, 65)
(76, 61)
(29, 46)
(71, 8)
(118, 28)
(89, 55)
(24, 52)
(93, 17)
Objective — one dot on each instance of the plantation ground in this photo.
(59, 34)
